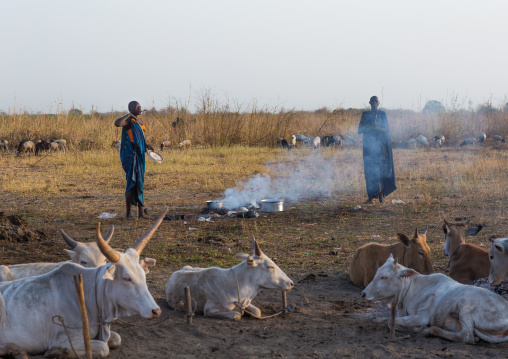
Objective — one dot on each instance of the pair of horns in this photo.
(112, 255)
(73, 244)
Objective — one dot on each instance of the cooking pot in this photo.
(214, 204)
(272, 205)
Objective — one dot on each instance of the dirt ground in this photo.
(311, 241)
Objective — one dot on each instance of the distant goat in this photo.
(483, 137)
(165, 144)
(25, 147)
(4, 145)
(86, 144)
(184, 144)
(439, 140)
(293, 140)
(468, 141)
(328, 141)
(498, 138)
(42, 145)
(61, 145)
(347, 140)
(422, 140)
(316, 142)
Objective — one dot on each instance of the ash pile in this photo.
(247, 211)
(13, 228)
(501, 289)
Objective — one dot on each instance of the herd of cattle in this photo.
(116, 286)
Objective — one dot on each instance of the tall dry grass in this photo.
(217, 124)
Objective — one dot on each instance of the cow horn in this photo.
(104, 247)
(143, 240)
(71, 242)
(110, 234)
(416, 232)
(257, 250)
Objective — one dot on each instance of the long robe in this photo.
(132, 155)
(377, 154)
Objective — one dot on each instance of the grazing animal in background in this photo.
(227, 293)
(467, 261)
(468, 141)
(348, 140)
(439, 140)
(62, 145)
(439, 305)
(87, 255)
(316, 142)
(4, 145)
(165, 144)
(42, 145)
(414, 253)
(285, 144)
(412, 143)
(25, 147)
(117, 289)
(483, 137)
(498, 138)
(86, 144)
(498, 255)
(422, 140)
(293, 140)
(179, 122)
(301, 138)
(116, 144)
(184, 144)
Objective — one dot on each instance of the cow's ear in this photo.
(242, 256)
(492, 239)
(146, 263)
(407, 273)
(473, 231)
(404, 239)
(110, 273)
(250, 261)
(71, 254)
(499, 247)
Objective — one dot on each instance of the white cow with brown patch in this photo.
(440, 306)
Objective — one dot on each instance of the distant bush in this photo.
(433, 106)
(75, 111)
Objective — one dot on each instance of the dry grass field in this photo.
(312, 240)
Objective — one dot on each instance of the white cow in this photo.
(86, 254)
(226, 293)
(293, 140)
(316, 141)
(498, 255)
(117, 289)
(440, 306)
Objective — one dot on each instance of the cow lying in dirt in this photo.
(413, 253)
(440, 306)
(227, 293)
(467, 261)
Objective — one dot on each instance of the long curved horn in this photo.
(71, 242)
(143, 240)
(104, 247)
(257, 250)
(110, 234)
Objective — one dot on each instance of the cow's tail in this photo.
(490, 338)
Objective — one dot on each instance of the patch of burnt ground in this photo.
(14, 228)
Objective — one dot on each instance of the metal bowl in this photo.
(214, 204)
(272, 205)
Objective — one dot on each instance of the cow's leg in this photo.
(114, 341)
(13, 350)
(466, 335)
(416, 320)
(254, 311)
(62, 349)
(214, 311)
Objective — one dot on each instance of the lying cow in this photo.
(226, 293)
(498, 256)
(467, 261)
(439, 305)
(117, 289)
(413, 253)
(86, 254)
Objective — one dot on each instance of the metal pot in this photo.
(214, 204)
(272, 205)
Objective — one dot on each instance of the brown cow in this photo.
(467, 261)
(412, 253)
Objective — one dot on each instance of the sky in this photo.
(272, 54)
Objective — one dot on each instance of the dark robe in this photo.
(132, 154)
(377, 154)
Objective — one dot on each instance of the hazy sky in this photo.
(278, 53)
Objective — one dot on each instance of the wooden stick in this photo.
(188, 304)
(284, 300)
(78, 281)
(392, 319)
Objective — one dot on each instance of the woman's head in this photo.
(134, 108)
(374, 102)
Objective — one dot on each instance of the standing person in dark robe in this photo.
(132, 155)
(377, 152)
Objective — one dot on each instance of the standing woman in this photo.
(377, 152)
(132, 155)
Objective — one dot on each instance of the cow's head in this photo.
(388, 280)
(128, 289)
(263, 272)
(86, 254)
(417, 255)
(456, 233)
(498, 255)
